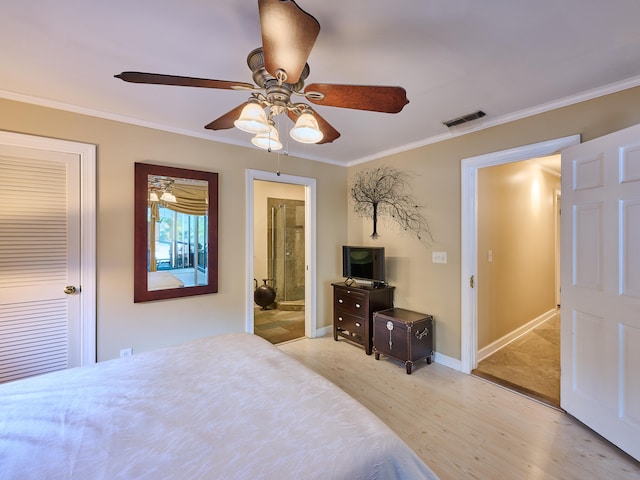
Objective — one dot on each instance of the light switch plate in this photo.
(439, 257)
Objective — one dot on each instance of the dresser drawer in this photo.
(351, 301)
(351, 323)
(352, 312)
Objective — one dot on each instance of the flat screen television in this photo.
(364, 263)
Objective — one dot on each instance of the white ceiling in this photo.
(508, 58)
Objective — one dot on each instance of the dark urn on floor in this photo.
(264, 295)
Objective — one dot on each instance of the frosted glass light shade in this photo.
(168, 197)
(306, 129)
(252, 119)
(153, 197)
(268, 141)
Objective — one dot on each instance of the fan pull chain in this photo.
(278, 161)
(286, 146)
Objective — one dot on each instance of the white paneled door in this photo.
(600, 326)
(42, 277)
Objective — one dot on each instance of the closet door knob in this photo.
(70, 289)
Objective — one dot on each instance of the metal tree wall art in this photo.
(382, 192)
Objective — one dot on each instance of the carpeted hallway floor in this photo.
(530, 364)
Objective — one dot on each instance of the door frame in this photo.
(309, 244)
(87, 155)
(469, 233)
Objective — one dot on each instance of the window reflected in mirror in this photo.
(179, 215)
(177, 219)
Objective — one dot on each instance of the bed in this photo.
(231, 406)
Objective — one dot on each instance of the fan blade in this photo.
(160, 79)
(226, 120)
(288, 35)
(359, 97)
(329, 134)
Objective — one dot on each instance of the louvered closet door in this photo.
(39, 257)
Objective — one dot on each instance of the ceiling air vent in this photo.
(464, 119)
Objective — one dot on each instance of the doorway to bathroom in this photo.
(281, 226)
(279, 296)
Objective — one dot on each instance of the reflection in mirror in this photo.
(177, 221)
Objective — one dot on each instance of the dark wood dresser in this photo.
(404, 335)
(353, 307)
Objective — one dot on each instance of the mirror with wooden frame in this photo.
(176, 232)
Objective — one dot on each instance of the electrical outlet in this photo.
(439, 257)
(126, 352)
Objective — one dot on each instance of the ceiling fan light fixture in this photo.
(269, 140)
(279, 69)
(306, 129)
(252, 119)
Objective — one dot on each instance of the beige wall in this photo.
(516, 247)
(146, 326)
(420, 284)
(436, 288)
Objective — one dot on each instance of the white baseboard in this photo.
(517, 333)
(447, 361)
(322, 331)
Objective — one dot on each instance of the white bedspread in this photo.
(226, 407)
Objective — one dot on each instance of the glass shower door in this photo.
(286, 249)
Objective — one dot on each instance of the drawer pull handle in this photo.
(340, 301)
(358, 324)
(357, 305)
(340, 318)
(421, 334)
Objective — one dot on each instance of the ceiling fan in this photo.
(279, 70)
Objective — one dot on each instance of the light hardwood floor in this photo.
(463, 426)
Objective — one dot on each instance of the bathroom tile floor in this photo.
(278, 326)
